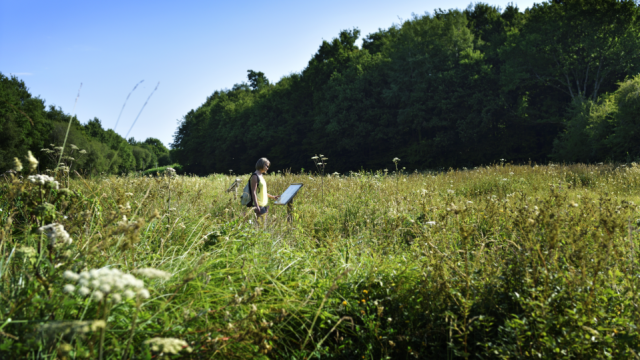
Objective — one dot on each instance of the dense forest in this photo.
(556, 82)
(26, 124)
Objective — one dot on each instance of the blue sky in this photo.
(191, 47)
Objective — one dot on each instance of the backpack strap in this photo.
(254, 201)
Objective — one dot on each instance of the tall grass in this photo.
(495, 262)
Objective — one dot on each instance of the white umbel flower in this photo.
(116, 298)
(171, 172)
(143, 294)
(105, 282)
(152, 273)
(84, 291)
(70, 275)
(97, 295)
(167, 345)
(44, 180)
(56, 234)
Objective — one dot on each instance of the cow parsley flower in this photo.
(105, 282)
(44, 180)
(153, 273)
(171, 172)
(56, 234)
(168, 345)
(97, 295)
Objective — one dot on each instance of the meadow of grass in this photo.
(497, 262)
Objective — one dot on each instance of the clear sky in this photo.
(191, 47)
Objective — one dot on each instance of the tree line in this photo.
(448, 89)
(27, 124)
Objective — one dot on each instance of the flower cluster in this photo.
(56, 234)
(103, 282)
(44, 180)
(171, 172)
(17, 165)
(72, 327)
(153, 273)
(167, 345)
(33, 163)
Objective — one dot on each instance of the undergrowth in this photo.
(496, 262)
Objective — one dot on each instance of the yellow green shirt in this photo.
(261, 192)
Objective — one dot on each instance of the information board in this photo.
(288, 194)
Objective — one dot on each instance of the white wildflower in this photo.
(33, 163)
(56, 234)
(83, 152)
(105, 288)
(153, 273)
(143, 294)
(395, 160)
(70, 275)
(97, 295)
(167, 345)
(116, 298)
(18, 165)
(44, 180)
(71, 327)
(67, 289)
(430, 223)
(84, 291)
(105, 281)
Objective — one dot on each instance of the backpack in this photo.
(245, 199)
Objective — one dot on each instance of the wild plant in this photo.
(499, 261)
